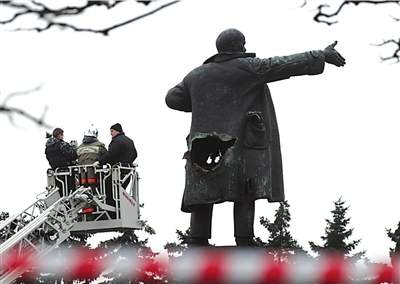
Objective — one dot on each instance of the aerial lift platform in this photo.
(110, 203)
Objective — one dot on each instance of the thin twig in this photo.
(11, 111)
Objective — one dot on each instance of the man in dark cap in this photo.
(233, 145)
(120, 150)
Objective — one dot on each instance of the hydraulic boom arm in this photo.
(29, 238)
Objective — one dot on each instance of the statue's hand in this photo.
(333, 57)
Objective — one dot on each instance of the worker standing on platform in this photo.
(61, 155)
(120, 150)
(89, 151)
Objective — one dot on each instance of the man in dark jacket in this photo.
(60, 155)
(120, 150)
(233, 145)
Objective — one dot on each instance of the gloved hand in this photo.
(74, 143)
(96, 164)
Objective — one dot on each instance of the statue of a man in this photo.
(233, 146)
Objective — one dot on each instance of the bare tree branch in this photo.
(326, 18)
(22, 93)
(105, 31)
(11, 111)
(395, 19)
(320, 14)
(396, 53)
(45, 13)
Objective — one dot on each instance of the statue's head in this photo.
(231, 40)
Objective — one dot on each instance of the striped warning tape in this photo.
(217, 265)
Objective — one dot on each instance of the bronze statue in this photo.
(233, 146)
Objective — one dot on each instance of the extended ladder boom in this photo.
(15, 223)
(30, 240)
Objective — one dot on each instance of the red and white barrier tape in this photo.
(253, 266)
(219, 265)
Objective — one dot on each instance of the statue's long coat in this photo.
(233, 118)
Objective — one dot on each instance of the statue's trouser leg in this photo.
(200, 221)
(243, 214)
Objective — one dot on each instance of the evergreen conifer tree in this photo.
(280, 242)
(175, 249)
(126, 250)
(75, 245)
(4, 215)
(337, 235)
(394, 252)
